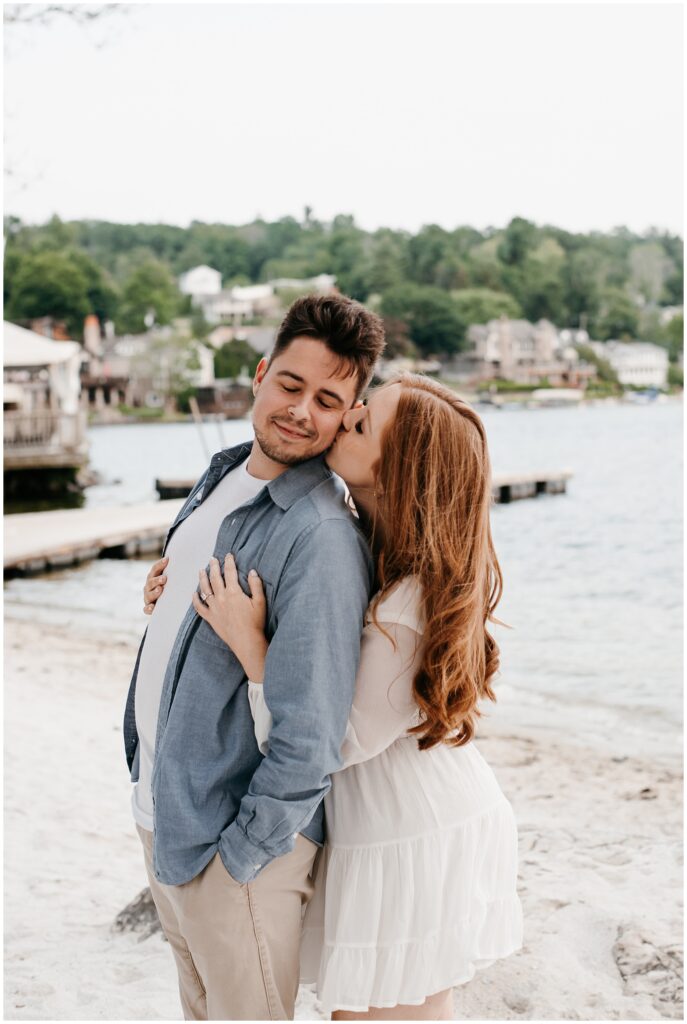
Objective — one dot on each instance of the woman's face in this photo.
(357, 448)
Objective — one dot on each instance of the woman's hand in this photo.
(154, 584)
(236, 618)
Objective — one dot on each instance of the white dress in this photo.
(416, 885)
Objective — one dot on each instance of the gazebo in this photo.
(44, 426)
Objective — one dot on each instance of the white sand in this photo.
(600, 848)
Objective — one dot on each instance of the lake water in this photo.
(593, 578)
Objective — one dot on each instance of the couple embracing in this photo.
(300, 719)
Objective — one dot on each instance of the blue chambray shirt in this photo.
(212, 788)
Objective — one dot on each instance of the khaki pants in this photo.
(236, 946)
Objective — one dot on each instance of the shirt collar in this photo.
(297, 481)
(289, 486)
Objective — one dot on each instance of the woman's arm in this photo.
(383, 707)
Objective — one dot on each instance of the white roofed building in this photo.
(43, 422)
(640, 363)
(200, 282)
(239, 303)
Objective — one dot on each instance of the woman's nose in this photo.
(353, 416)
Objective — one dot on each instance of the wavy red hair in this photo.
(434, 498)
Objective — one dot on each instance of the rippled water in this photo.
(593, 578)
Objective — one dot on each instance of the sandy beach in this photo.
(600, 859)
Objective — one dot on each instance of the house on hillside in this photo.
(239, 303)
(635, 362)
(200, 283)
(322, 284)
(260, 339)
(520, 351)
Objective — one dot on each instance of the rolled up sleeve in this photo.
(309, 683)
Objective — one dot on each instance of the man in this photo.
(230, 836)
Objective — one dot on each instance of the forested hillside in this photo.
(430, 286)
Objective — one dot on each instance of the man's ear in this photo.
(260, 371)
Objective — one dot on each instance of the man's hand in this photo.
(154, 584)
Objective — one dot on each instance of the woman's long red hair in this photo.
(435, 494)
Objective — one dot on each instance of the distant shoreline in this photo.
(509, 399)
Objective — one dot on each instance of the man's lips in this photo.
(294, 435)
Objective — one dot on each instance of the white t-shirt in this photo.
(189, 550)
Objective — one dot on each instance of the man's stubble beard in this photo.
(278, 455)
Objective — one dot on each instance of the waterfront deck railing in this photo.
(44, 440)
(43, 431)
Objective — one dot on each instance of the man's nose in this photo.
(299, 409)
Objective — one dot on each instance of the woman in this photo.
(416, 887)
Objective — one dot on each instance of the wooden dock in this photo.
(36, 541)
(506, 487)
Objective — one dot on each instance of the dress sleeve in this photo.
(262, 719)
(383, 707)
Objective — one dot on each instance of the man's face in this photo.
(300, 401)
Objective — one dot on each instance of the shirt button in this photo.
(257, 866)
(295, 835)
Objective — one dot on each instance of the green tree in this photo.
(484, 266)
(103, 297)
(386, 264)
(233, 356)
(346, 256)
(675, 335)
(479, 305)
(434, 323)
(676, 376)
(618, 316)
(398, 343)
(49, 284)
(583, 279)
(149, 291)
(427, 251)
(519, 238)
(200, 328)
(650, 269)
(604, 370)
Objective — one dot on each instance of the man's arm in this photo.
(309, 682)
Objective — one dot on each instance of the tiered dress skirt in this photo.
(416, 887)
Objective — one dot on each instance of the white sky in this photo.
(402, 115)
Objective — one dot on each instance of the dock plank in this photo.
(39, 539)
(506, 487)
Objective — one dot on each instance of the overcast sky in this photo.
(401, 115)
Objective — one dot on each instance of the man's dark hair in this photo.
(347, 329)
